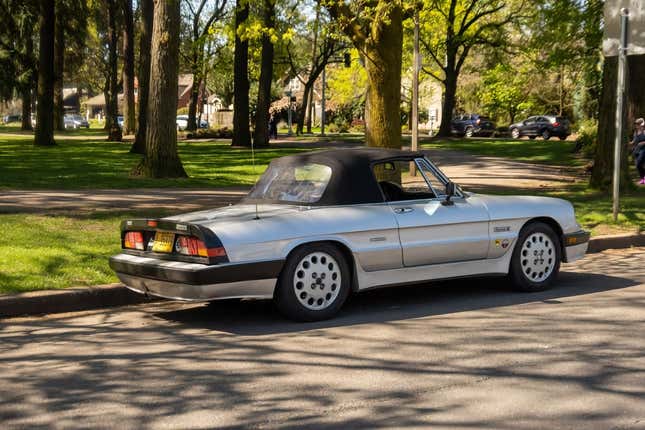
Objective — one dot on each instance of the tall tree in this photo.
(128, 68)
(376, 29)
(145, 34)
(59, 64)
(241, 130)
(451, 29)
(112, 91)
(261, 132)
(17, 58)
(202, 19)
(161, 159)
(45, 109)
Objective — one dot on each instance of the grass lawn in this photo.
(89, 163)
(41, 252)
(554, 151)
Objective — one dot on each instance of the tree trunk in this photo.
(112, 98)
(26, 110)
(59, 66)
(194, 100)
(300, 125)
(447, 110)
(241, 130)
(45, 110)
(161, 159)
(147, 12)
(261, 132)
(601, 176)
(128, 69)
(383, 52)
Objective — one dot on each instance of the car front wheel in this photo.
(469, 132)
(515, 133)
(314, 283)
(536, 258)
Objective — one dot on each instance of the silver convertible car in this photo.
(319, 226)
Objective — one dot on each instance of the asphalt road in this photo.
(463, 354)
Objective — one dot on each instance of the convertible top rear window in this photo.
(303, 183)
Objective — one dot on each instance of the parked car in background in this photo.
(74, 121)
(119, 120)
(11, 118)
(472, 124)
(544, 126)
(182, 122)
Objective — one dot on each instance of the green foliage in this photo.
(587, 137)
(504, 93)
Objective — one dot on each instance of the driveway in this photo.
(473, 172)
(456, 355)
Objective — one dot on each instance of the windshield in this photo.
(303, 183)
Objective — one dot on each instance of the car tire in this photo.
(314, 283)
(546, 135)
(469, 132)
(515, 133)
(536, 258)
(532, 137)
(563, 137)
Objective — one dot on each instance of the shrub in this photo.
(212, 133)
(587, 137)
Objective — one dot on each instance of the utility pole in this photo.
(415, 91)
(620, 93)
(322, 102)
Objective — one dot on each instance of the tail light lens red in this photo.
(556, 124)
(188, 245)
(133, 240)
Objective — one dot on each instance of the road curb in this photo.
(68, 300)
(619, 241)
(103, 296)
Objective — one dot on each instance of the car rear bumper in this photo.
(195, 282)
(575, 245)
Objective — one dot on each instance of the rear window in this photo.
(304, 183)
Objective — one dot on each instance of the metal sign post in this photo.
(620, 93)
(415, 91)
(322, 102)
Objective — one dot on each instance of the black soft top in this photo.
(352, 180)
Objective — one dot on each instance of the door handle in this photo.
(403, 210)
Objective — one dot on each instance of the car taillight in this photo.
(479, 121)
(133, 240)
(556, 124)
(188, 245)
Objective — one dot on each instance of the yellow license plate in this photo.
(163, 242)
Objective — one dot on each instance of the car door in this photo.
(529, 127)
(432, 232)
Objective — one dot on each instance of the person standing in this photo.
(638, 149)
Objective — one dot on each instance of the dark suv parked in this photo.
(544, 125)
(470, 125)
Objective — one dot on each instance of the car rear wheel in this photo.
(532, 137)
(515, 133)
(563, 137)
(314, 283)
(469, 132)
(546, 135)
(536, 258)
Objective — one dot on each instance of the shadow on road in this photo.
(259, 317)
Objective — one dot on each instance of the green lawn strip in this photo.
(73, 164)
(40, 252)
(552, 152)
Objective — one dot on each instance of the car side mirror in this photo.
(450, 191)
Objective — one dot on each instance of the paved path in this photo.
(465, 354)
(475, 173)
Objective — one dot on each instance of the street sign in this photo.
(636, 29)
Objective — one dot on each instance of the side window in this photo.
(438, 187)
(399, 183)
